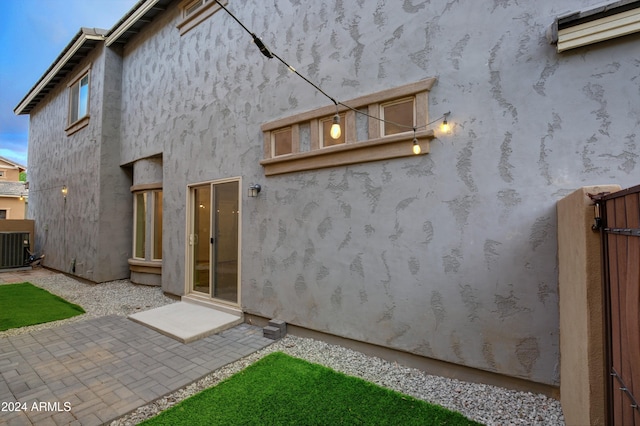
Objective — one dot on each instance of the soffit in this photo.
(137, 18)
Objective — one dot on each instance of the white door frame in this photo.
(189, 253)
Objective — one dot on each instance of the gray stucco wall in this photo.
(84, 234)
(450, 255)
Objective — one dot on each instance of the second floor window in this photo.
(79, 99)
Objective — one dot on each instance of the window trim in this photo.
(80, 122)
(154, 195)
(199, 15)
(148, 264)
(353, 151)
(134, 253)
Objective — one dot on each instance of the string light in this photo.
(51, 188)
(416, 146)
(445, 125)
(336, 131)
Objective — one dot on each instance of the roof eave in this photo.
(135, 14)
(76, 44)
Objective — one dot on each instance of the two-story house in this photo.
(178, 150)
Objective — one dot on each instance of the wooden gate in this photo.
(620, 226)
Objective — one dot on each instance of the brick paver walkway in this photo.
(91, 372)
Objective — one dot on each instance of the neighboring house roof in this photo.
(84, 41)
(12, 164)
(13, 189)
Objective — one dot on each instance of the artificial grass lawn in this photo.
(282, 390)
(25, 304)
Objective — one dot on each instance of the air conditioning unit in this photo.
(12, 249)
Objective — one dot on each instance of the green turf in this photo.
(25, 304)
(281, 390)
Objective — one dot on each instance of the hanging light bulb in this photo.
(416, 147)
(444, 127)
(335, 131)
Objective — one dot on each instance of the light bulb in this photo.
(416, 147)
(445, 126)
(335, 131)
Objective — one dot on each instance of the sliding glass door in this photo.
(214, 239)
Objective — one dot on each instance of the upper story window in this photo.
(79, 99)
(398, 116)
(364, 137)
(196, 11)
(78, 102)
(281, 142)
(2, 175)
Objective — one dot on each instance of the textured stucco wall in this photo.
(450, 255)
(84, 234)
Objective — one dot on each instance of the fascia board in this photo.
(599, 30)
(123, 27)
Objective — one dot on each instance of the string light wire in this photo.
(270, 54)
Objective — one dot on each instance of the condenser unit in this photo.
(12, 249)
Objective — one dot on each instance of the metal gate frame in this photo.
(618, 218)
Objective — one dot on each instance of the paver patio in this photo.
(91, 372)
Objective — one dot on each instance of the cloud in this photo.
(14, 147)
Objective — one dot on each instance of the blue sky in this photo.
(32, 35)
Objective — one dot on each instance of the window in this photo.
(78, 102)
(3, 214)
(364, 137)
(79, 99)
(2, 175)
(192, 7)
(281, 142)
(195, 12)
(139, 224)
(399, 117)
(157, 225)
(147, 222)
